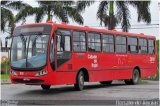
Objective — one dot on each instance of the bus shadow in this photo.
(99, 86)
(68, 89)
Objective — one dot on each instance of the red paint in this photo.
(111, 66)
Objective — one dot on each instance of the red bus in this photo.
(54, 54)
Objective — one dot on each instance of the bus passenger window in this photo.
(142, 45)
(151, 47)
(94, 44)
(108, 43)
(121, 44)
(79, 41)
(63, 41)
(132, 45)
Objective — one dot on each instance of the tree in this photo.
(122, 14)
(60, 9)
(7, 17)
(81, 5)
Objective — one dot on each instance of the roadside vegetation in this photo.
(4, 76)
(4, 69)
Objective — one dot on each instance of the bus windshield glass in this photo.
(29, 47)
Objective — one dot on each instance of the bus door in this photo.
(63, 42)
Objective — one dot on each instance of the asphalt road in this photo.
(149, 90)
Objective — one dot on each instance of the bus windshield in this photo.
(29, 49)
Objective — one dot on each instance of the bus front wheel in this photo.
(45, 87)
(135, 78)
(79, 81)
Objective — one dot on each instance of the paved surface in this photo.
(149, 90)
(5, 81)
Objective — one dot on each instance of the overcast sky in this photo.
(90, 19)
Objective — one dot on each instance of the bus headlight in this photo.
(40, 73)
(13, 73)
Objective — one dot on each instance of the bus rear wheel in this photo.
(106, 82)
(80, 81)
(45, 87)
(135, 78)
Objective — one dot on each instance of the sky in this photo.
(91, 20)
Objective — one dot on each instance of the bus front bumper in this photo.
(38, 80)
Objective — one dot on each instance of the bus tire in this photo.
(135, 78)
(106, 82)
(45, 87)
(79, 85)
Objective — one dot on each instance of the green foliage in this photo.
(142, 81)
(81, 5)
(4, 76)
(59, 9)
(5, 66)
(62, 10)
(7, 17)
(122, 13)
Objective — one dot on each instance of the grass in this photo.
(142, 81)
(4, 76)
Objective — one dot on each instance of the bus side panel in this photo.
(108, 75)
(101, 75)
(122, 74)
(110, 67)
(65, 77)
(122, 70)
(148, 72)
(99, 66)
(148, 65)
(134, 60)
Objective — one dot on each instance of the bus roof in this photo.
(98, 30)
(87, 28)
